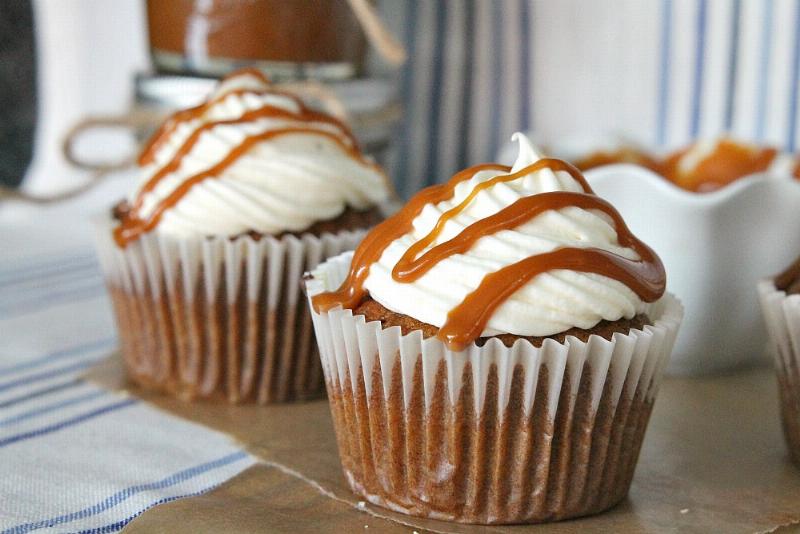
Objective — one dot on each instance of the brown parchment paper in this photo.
(713, 461)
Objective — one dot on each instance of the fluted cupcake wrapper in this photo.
(218, 317)
(782, 317)
(491, 434)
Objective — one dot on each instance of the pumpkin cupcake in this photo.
(492, 352)
(780, 303)
(237, 198)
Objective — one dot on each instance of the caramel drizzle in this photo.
(260, 113)
(160, 137)
(133, 226)
(466, 321)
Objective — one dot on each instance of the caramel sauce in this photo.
(623, 155)
(160, 137)
(133, 225)
(728, 162)
(260, 113)
(466, 321)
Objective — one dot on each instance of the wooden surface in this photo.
(713, 460)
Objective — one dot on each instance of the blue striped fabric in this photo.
(791, 135)
(71, 352)
(41, 392)
(664, 79)
(119, 525)
(733, 60)
(699, 66)
(662, 72)
(52, 422)
(50, 373)
(128, 492)
(51, 408)
(41, 285)
(763, 73)
(118, 405)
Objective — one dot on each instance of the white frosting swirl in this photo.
(550, 302)
(285, 183)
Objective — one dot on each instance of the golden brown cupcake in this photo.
(237, 198)
(492, 352)
(780, 303)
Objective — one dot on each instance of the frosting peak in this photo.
(527, 153)
(529, 250)
(250, 158)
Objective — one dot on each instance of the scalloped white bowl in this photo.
(715, 247)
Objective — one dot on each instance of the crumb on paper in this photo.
(361, 505)
(685, 511)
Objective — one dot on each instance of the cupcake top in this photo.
(250, 159)
(528, 250)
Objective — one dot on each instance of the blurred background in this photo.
(662, 72)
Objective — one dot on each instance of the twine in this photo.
(376, 31)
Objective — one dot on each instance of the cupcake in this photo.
(780, 303)
(492, 352)
(237, 197)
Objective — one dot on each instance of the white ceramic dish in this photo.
(715, 247)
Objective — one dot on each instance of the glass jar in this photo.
(287, 39)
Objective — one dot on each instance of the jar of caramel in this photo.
(287, 39)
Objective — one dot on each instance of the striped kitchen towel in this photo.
(73, 456)
(662, 72)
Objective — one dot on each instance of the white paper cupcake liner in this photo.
(782, 317)
(217, 316)
(492, 434)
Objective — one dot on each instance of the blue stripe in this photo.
(47, 301)
(57, 355)
(466, 96)
(16, 293)
(407, 87)
(437, 66)
(41, 393)
(57, 265)
(33, 299)
(114, 527)
(24, 416)
(699, 64)
(733, 61)
(763, 72)
(44, 258)
(792, 134)
(496, 81)
(66, 424)
(62, 272)
(664, 77)
(526, 34)
(127, 493)
(44, 375)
